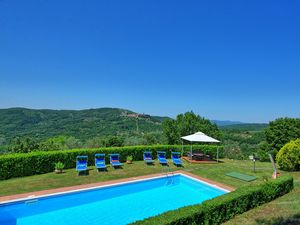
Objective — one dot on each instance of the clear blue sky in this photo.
(235, 60)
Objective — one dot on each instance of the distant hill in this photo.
(246, 127)
(82, 124)
(89, 123)
(221, 123)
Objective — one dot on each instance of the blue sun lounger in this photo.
(100, 161)
(176, 158)
(81, 163)
(114, 160)
(161, 156)
(148, 157)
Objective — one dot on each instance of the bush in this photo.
(129, 158)
(224, 207)
(59, 166)
(288, 157)
(26, 164)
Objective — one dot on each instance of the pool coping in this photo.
(71, 189)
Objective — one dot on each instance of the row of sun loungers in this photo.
(82, 161)
(161, 156)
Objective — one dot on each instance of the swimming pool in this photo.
(114, 204)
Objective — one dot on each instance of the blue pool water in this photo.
(120, 204)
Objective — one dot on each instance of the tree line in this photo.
(29, 144)
(238, 143)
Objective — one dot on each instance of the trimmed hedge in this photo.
(26, 164)
(224, 207)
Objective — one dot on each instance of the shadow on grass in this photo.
(179, 166)
(101, 170)
(84, 173)
(291, 220)
(117, 167)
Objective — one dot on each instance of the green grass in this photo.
(70, 178)
(282, 211)
(276, 212)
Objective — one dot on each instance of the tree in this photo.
(2, 140)
(72, 142)
(115, 141)
(232, 150)
(280, 132)
(23, 145)
(188, 123)
(151, 139)
(95, 142)
(135, 140)
(263, 151)
(60, 143)
(171, 131)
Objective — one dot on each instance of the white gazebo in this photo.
(200, 137)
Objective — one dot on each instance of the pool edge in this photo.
(85, 187)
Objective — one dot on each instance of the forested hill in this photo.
(245, 127)
(242, 140)
(82, 124)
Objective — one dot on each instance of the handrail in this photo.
(169, 174)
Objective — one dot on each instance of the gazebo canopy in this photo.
(199, 137)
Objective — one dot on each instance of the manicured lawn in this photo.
(282, 211)
(70, 178)
(286, 207)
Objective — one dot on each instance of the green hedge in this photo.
(26, 164)
(224, 207)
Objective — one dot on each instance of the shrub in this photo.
(288, 157)
(26, 164)
(129, 158)
(59, 166)
(224, 207)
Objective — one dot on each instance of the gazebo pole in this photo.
(217, 154)
(191, 152)
(181, 147)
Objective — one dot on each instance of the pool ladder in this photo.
(169, 175)
(30, 202)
